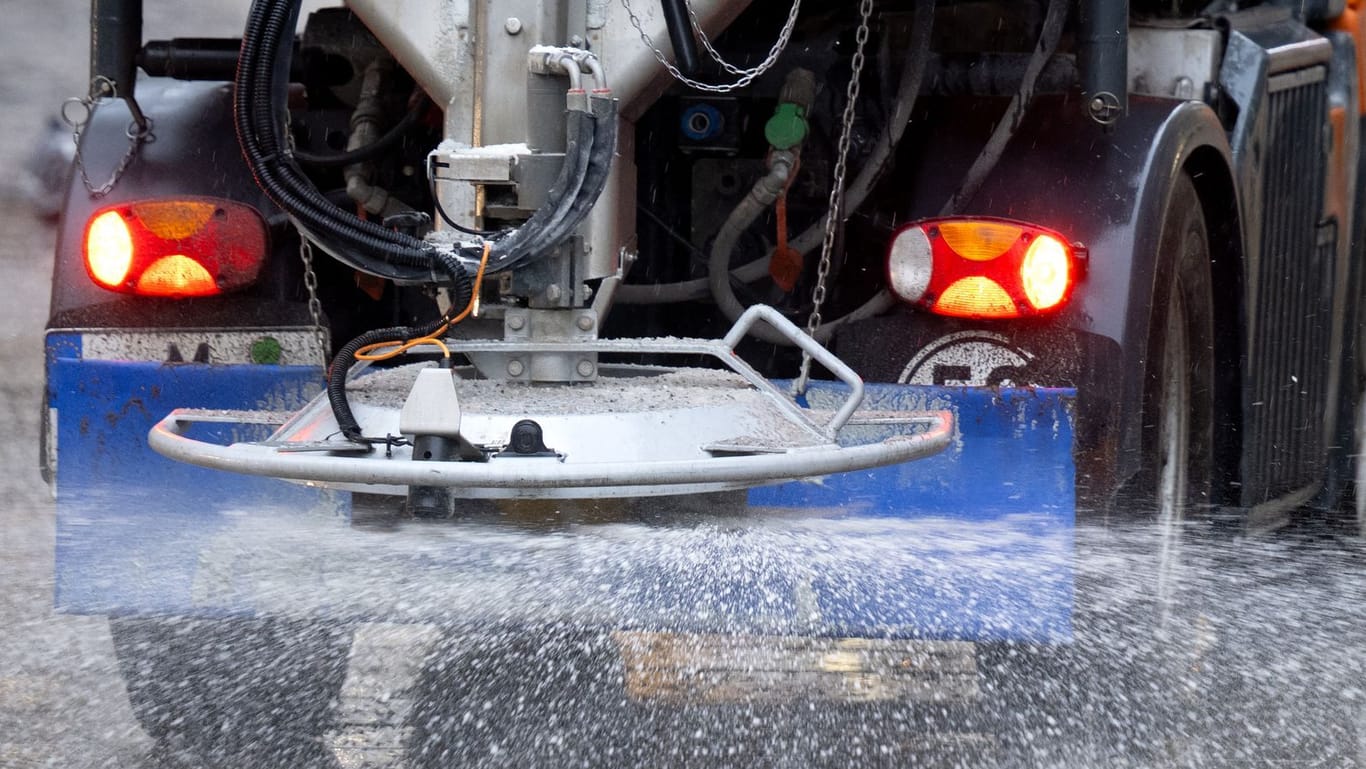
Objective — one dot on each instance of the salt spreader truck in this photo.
(879, 273)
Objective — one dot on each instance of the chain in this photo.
(747, 76)
(833, 214)
(139, 132)
(773, 52)
(315, 307)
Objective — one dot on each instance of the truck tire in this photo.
(1174, 484)
(241, 693)
(1357, 496)
(1164, 674)
(1351, 464)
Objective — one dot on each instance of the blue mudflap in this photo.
(129, 521)
(972, 544)
(975, 542)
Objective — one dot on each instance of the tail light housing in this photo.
(175, 247)
(978, 267)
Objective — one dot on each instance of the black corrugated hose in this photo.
(261, 84)
(346, 358)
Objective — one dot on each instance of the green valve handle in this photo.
(787, 128)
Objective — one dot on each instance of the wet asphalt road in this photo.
(61, 698)
(1262, 664)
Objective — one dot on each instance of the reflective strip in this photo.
(294, 347)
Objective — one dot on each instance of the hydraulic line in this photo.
(261, 86)
(365, 122)
(760, 197)
(599, 159)
(1049, 35)
(765, 192)
(545, 227)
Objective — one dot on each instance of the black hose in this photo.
(261, 83)
(446, 217)
(679, 25)
(542, 231)
(599, 164)
(346, 358)
(371, 150)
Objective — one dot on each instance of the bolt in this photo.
(553, 293)
(1104, 108)
(585, 368)
(576, 41)
(585, 322)
(513, 25)
(516, 322)
(515, 367)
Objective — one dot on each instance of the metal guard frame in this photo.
(168, 437)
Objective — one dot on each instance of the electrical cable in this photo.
(445, 217)
(406, 337)
(368, 353)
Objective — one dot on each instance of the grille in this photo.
(1290, 346)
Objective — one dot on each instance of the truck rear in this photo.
(774, 350)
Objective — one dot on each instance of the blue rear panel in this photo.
(128, 519)
(974, 543)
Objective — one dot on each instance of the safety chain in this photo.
(139, 131)
(315, 307)
(833, 214)
(747, 76)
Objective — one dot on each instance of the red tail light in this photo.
(179, 247)
(983, 268)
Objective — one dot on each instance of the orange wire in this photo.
(368, 352)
